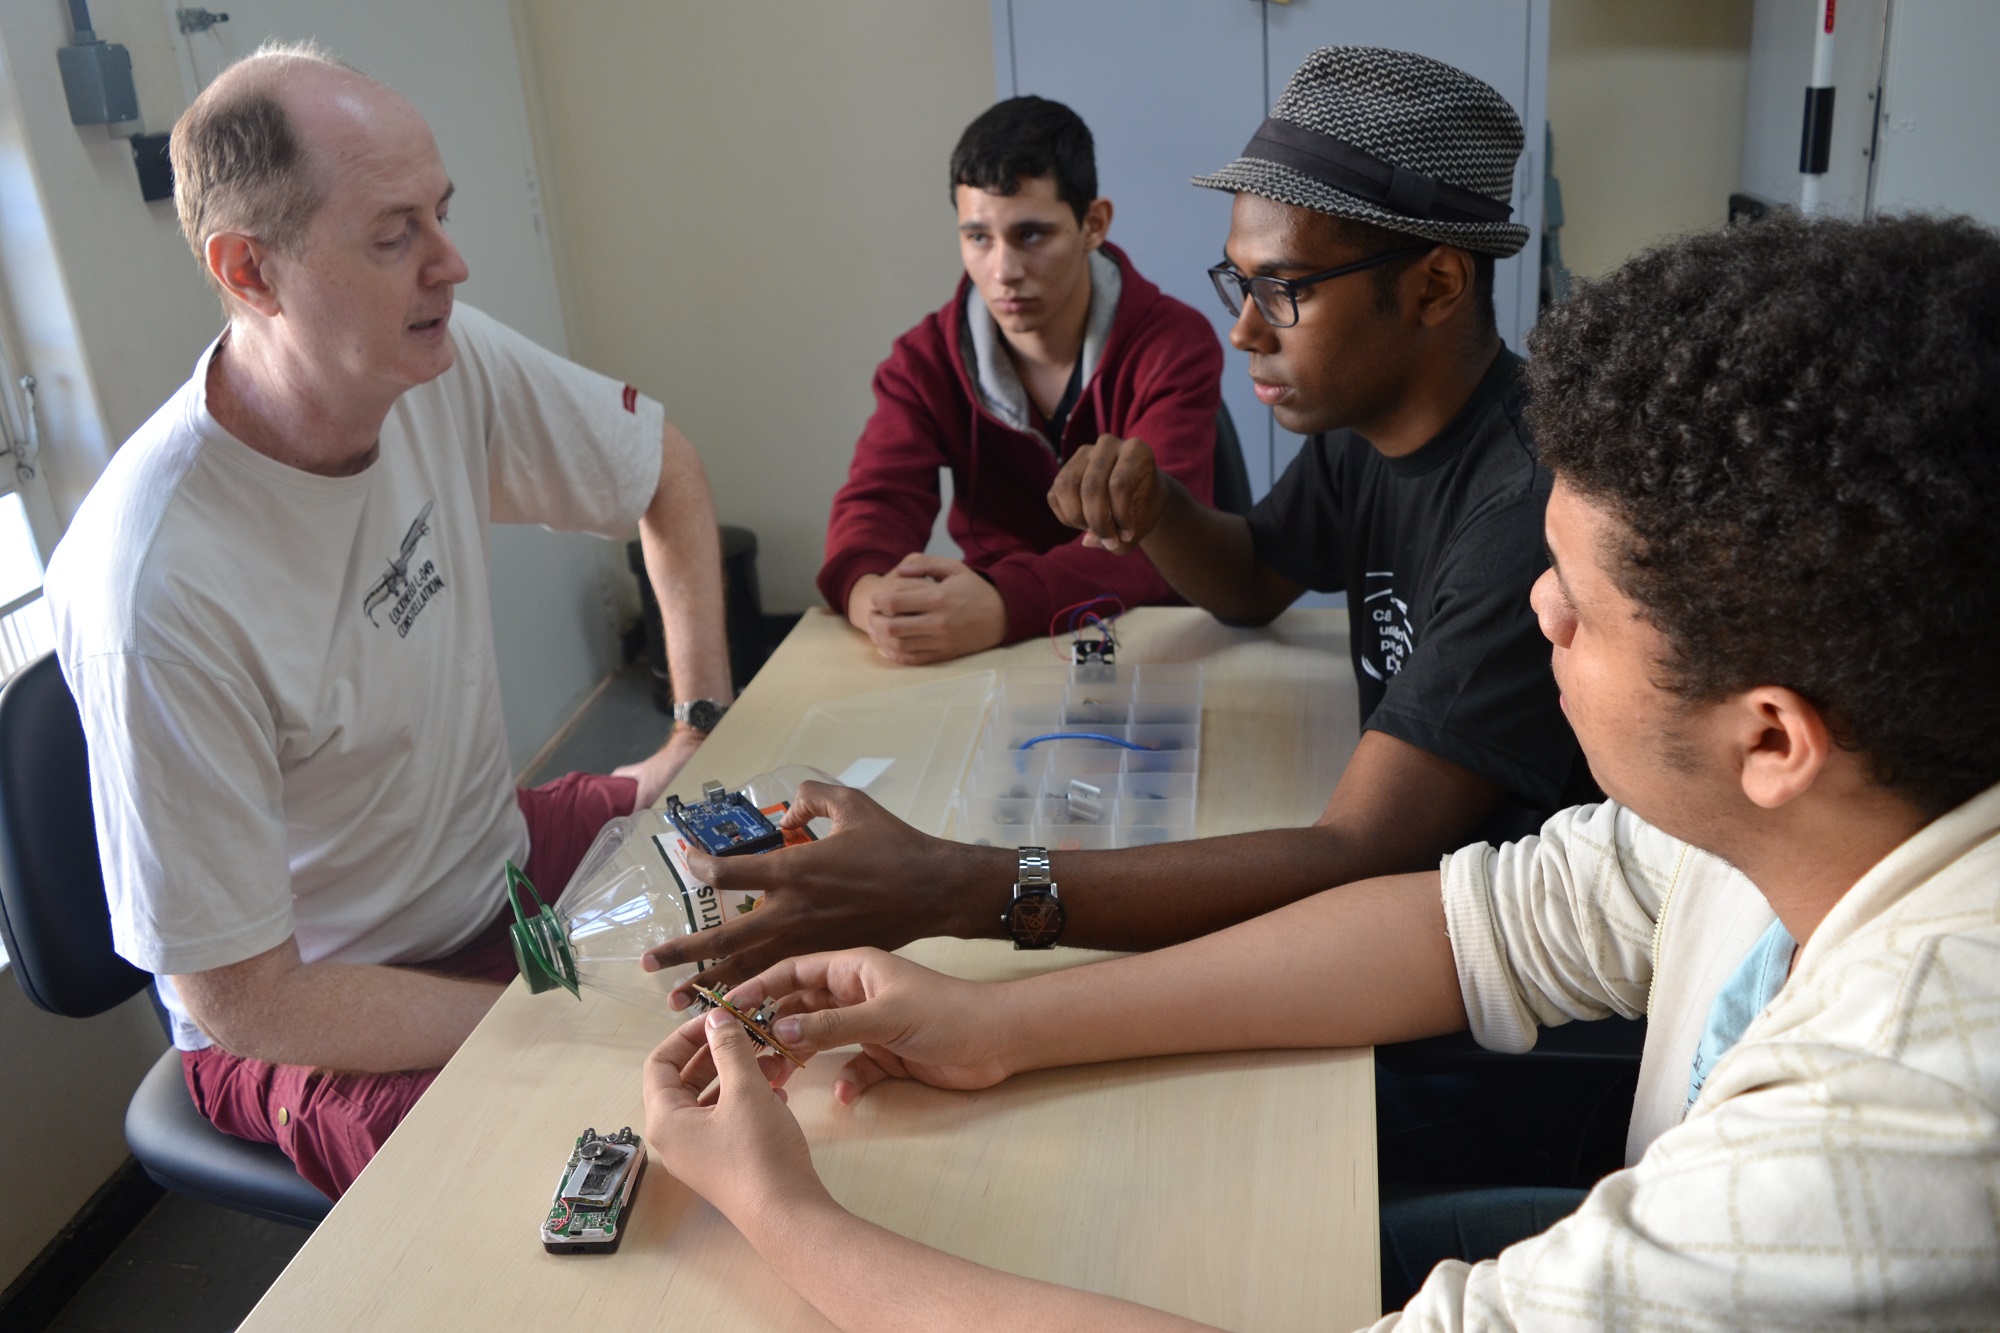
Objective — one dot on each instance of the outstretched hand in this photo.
(656, 771)
(909, 1021)
(873, 880)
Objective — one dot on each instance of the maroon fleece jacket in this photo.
(1159, 379)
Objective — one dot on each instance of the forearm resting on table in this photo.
(862, 1277)
(347, 1016)
(1359, 965)
(1209, 559)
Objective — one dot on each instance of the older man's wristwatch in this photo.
(701, 714)
(1035, 917)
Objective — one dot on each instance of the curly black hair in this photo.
(1799, 423)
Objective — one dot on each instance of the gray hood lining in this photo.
(993, 375)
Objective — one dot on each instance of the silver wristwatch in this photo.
(701, 714)
(1035, 917)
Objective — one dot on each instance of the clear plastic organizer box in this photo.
(1080, 792)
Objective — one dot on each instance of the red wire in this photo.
(1055, 635)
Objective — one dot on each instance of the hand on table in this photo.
(927, 609)
(739, 1148)
(873, 880)
(1113, 490)
(910, 1022)
(656, 771)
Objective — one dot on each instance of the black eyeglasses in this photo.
(1278, 298)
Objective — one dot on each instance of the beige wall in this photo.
(749, 202)
(1647, 104)
(62, 1112)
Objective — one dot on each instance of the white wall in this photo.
(1937, 148)
(750, 202)
(112, 311)
(64, 1083)
(111, 308)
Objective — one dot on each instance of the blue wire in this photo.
(1081, 736)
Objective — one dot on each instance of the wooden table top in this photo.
(1237, 1189)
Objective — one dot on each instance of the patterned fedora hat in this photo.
(1392, 138)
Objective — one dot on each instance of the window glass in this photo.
(20, 563)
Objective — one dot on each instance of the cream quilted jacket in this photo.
(1841, 1168)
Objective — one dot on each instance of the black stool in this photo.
(742, 609)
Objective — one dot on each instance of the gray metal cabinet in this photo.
(1174, 88)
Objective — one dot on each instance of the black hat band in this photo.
(1338, 163)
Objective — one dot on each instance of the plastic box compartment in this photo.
(1128, 797)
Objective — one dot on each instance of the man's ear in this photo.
(238, 264)
(1784, 744)
(1446, 278)
(1096, 223)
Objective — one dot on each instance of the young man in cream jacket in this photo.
(1775, 611)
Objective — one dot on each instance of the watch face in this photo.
(1035, 919)
(702, 714)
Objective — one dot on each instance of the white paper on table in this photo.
(862, 772)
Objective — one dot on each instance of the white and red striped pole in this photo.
(1816, 137)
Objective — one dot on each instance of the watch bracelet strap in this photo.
(1033, 872)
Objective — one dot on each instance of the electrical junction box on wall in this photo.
(97, 78)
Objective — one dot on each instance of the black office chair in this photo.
(1232, 478)
(57, 929)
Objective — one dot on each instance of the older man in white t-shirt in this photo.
(273, 611)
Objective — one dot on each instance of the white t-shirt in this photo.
(287, 681)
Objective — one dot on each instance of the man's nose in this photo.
(449, 266)
(1546, 603)
(1252, 332)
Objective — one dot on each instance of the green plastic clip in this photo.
(541, 945)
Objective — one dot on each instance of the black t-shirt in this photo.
(1437, 551)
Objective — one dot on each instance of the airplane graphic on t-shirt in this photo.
(397, 584)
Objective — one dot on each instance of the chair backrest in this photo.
(53, 915)
(1232, 478)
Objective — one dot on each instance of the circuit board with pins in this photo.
(592, 1202)
(757, 1022)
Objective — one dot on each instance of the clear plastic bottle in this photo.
(631, 892)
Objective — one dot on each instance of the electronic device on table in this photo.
(728, 823)
(595, 1196)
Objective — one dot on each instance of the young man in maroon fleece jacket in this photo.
(1052, 341)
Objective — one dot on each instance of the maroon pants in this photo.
(330, 1124)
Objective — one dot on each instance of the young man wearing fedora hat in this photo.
(1052, 339)
(1369, 210)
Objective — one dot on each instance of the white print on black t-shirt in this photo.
(1390, 637)
(412, 592)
